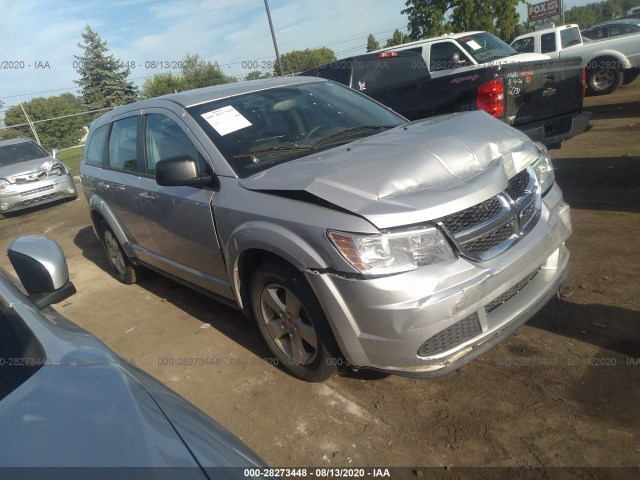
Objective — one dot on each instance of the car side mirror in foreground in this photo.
(42, 269)
(180, 171)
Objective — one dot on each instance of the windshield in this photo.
(20, 152)
(484, 47)
(258, 130)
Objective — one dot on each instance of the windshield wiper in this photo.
(351, 131)
(274, 150)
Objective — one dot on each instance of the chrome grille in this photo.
(480, 213)
(489, 228)
(527, 213)
(487, 242)
(452, 336)
(36, 190)
(491, 306)
(518, 185)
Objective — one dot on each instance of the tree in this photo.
(372, 43)
(195, 73)
(257, 75)
(161, 84)
(583, 16)
(426, 17)
(58, 133)
(298, 60)
(396, 39)
(429, 18)
(198, 73)
(103, 79)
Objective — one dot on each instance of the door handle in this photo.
(119, 187)
(148, 196)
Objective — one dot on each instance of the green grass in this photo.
(72, 157)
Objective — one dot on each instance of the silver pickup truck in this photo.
(354, 238)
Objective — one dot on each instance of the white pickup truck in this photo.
(608, 63)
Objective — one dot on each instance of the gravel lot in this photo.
(563, 391)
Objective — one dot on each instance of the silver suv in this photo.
(352, 237)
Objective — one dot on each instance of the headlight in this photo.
(3, 184)
(383, 254)
(544, 171)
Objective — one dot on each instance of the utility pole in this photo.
(273, 35)
(33, 128)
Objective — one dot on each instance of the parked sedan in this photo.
(612, 28)
(67, 400)
(29, 176)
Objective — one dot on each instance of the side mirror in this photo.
(180, 171)
(455, 60)
(42, 269)
(54, 152)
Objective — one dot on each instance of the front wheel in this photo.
(603, 81)
(293, 324)
(122, 268)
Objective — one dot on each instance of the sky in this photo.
(38, 38)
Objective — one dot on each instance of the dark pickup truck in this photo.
(542, 98)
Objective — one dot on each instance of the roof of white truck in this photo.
(446, 36)
(547, 30)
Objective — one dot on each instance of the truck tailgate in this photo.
(535, 91)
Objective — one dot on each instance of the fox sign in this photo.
(544, 10)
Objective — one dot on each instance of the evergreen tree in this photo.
(103, 79)
(372, 43)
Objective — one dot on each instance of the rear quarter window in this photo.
(569, 37)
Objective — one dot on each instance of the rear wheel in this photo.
(293, 324)
(604, 79)
(123, 269)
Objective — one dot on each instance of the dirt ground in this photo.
(563, 391)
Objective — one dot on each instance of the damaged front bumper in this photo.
(430, 321)
(16, 197)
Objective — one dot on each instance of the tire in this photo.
(630, 75)
(293, 324)
(121, 266)
(602, 80)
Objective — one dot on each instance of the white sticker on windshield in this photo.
(473, 44)
(226, 120)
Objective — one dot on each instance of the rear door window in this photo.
(123, 145)
(615, 30)
(94, 151)
(548, 42)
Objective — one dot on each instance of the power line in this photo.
(56, 118)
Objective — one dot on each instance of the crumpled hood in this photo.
(410, 174)
(30, 166)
